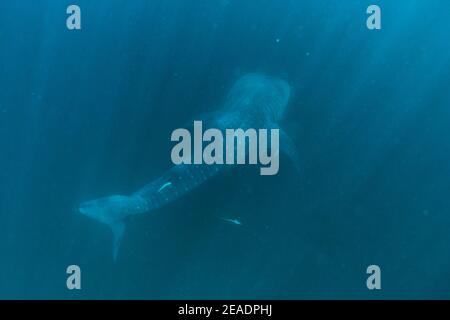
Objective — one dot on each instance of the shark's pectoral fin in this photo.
(288, 147)
(117, 229)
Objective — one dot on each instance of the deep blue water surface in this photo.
(89, 113)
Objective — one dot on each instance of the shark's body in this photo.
(255, 101)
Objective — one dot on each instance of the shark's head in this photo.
(270, 95)
(112, 208)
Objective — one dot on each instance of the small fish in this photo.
(165, 185)
(233, 221)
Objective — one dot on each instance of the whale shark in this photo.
(254, 101)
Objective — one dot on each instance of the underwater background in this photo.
(89, 113)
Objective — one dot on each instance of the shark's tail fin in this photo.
(113, 211)
(117, 229)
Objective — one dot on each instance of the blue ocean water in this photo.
(89, 113)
